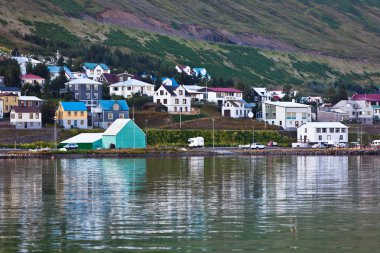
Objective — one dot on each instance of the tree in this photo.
(15, 51)
(48, 111)
(11, 71)
(105, 92)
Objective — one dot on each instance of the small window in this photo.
(343, 130)
(69, 113)
(110, 115)
(180, 92)
(331, 130)
(165, 101)
(318, 130)
(82, 122)
(76, 87)
(75, 113)
(337, 130)
(184, 101)
(121, 116)
(176, 101)
(305, 130)
(69, 122)
(88, 95)
(37, 116)
(81, 113)
(324, 130)
(19, 116)
(88, 87)
(116, 107)
(320, 137)
(161, 92)
(95, 87)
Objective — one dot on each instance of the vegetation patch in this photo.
(55, 33)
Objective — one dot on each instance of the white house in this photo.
(288, 115)
(30, 101)
(322, 132)
(23, 61)
(32, 79)
(95, 70)
(194, 91)
(184, 69)
(130, 87)
(360, 111)
(175, 98)
(26, 117)
(217, 95)
(260, 94)
(235, 108)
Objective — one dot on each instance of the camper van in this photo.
(196, 142)
(375, 144)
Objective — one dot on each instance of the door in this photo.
(75, 123)
(25, 125)
(227, 113)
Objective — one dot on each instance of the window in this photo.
(95, 87)
(340, 137)
(343, 130)
(129, 88)
(324, 130)
(280, 122)
(31, 124)
(81, 113)
(184, 101)
(110, 115)
(273, 114)
(37, 115)
(116, 107)
(14, 99)
(176, 101)
(121, 116)
(69, 122)
(96, 95)
(337, 130)
(175, 108)
(320, 137)
(31, 115)
(6, 99)
(165, 101)
(69, 113)
(331, 130)
(318, 130)
(19, 116)
(158, 101)
(82, 122)
(76, 95)
(304, 115)
(185, 109)
(88, 95)
(88, 87)
(76, 87)
(305, 130)
(75, 113)
(161, 92)
(180, 92)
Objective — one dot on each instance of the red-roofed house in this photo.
(217, 95)
(32, 79)
(374, 99)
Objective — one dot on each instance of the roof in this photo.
(108, 104)
(111, 78)
(25, 109)
(171, 90)
(29, 98)
(22, 59)
(367, 97)
(173, 81)
(192, 87)
(73, 106)
(91, 65)
(325, 124)
(7, 88)
(287, 104)
(116, 126)
(56, 69)
(6, 94)
(225, 90)
(83, 81)
(131, 82)
(260, 91)
(84, 138)
(31, 76)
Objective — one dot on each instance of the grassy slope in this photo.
(302, 23)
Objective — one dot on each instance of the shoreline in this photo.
(146, 153)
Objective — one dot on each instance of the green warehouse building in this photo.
(124, 133)
(85, 141)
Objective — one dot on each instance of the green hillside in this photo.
(258, 42)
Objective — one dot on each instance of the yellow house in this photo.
(72, 115)
(9, 100)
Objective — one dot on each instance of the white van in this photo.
(375, 143)
(196, 142)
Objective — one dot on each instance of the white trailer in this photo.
(196, 142)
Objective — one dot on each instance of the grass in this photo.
(55, 33)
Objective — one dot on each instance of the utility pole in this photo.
(55, 132)
(213, 134)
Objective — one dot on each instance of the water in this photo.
(192, 204)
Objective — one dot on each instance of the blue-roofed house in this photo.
(169, 81)
(201, 72)
(71, 115)
(95, 70)
(107, 111)
(54, 72)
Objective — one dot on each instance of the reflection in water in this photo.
(191, 204)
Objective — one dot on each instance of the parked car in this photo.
(258, 146)
(341, 145)
(354, 144)
(70, 146)
(318, 145)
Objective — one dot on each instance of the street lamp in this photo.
(213, 134)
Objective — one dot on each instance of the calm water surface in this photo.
(192, 204)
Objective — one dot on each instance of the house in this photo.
(217, 95)
(79, 75)
(194, 91)
(125, 76)
(124, 133)
(376, 112)
(288, 115)
(175, 98)
(260, 94)
(54, 72)
(107, 111)
(359, 111)
(23, 61)
(30, 101)
(95, 70)
(169, 81)
(108, 78)
(9, 100)
(13, 90)
(373, 99)
(184, 69)
(276, 94)
(311, 99)
(1, 108)
(86, 90)
(71, 115)
(132, 86)
(32, 79)
(85, 141)
(26, 117)
(322, 132)
(235, 108)
(2, 84)
(201, 72)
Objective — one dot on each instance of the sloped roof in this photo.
(173, 81)
(73, 106)
(83, 81)
(6, 94)
(325, 124)
(29, 98)
(116, 126)
(217, 89)
(367, 97)
(25, 109)
(131, 82)
(91, 65)
(31, 76)
(56, 69)
(108, 104)
(288, 104)
(7, 88)
(111, 78)
(84, 138)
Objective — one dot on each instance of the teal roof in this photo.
(74, 106)
(108, 104)
(91, 65)
(56, 69)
